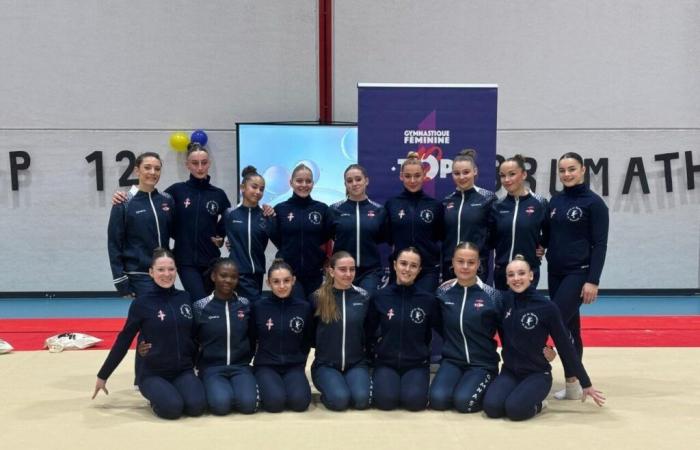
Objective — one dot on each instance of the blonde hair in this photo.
(326, 308)
(411, 158)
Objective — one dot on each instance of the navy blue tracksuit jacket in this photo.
(515, 227)
(468, 318)
(405, 316)
(164, 318)
(248, 232)
(578, 233)
(137, 227)
(301, 228)
(358, 228)
(282, 329)
(466, 220)
(198, 208)
(341, 344)
(222, 330)
(527, 320)
(417, 220)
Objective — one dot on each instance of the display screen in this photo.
(276, 149)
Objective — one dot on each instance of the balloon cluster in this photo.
(179, 140)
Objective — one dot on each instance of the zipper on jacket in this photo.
(228, 335)
(461, 326)
(459, 221)
(250, 254)
(155, 215)
(512, 231)
(357, 225)
(342, 363)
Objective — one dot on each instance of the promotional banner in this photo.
(435, 120)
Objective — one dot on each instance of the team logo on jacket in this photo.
(390, 313)
(401, 213)
(212, 207)
(161, 315)
(478, 303)
(417, 315)
(427, 215)
(290, 216)
(574, 214)
(240, 314)
(269, 324)
(296, 324)
(450, 205)
(187, 202)
(186, 311)
(315, 217)
(371, 213)
(530, 210)
(165, 207)
(529, 321)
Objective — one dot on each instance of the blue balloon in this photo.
(200, 137)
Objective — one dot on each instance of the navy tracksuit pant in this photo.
(250, 285)
(407, 388)
(196, 281)
(565, 291)
(517, 397)
(230, 388)
(283, 388)
(458, 387)
(341, 390)
(173, 396)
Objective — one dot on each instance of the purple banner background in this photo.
(387, 113)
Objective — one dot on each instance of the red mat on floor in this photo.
(617, 331)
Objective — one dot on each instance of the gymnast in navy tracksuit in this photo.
(248, 231)
(164, 317)
(282, 327)
(301, 231)
(340, 371)
(527, 320)
(417, 220)
(516, 222)
(358, 225)
(578, 240)
(468, 320)
(404, 315)
(138, 226)
(222, 330)
(466, 214)
(199, 230)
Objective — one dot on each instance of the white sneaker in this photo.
(572, 391)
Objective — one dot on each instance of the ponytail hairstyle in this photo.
(161, 252)
(355, 166)
(248, 173)
(195, 147)
(411, 159)
(572, 155)
(410, 249)
(326, 308)
(277, 264)
(520, 257)
(466, 245)
(468, 155)
(302, 166)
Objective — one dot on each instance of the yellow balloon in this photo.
(179, 141)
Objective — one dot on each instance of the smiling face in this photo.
(407, 267)
(198, 164)
(281, 282)
(512, 177)
(163, 272)
(518, 276)
(465, 263)
(571, 172)
(302, 182)
(412, 176)
(148, 173)
(225, 280)
(343, 273)
(463, 174)
(356, 184)
(252, 191)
